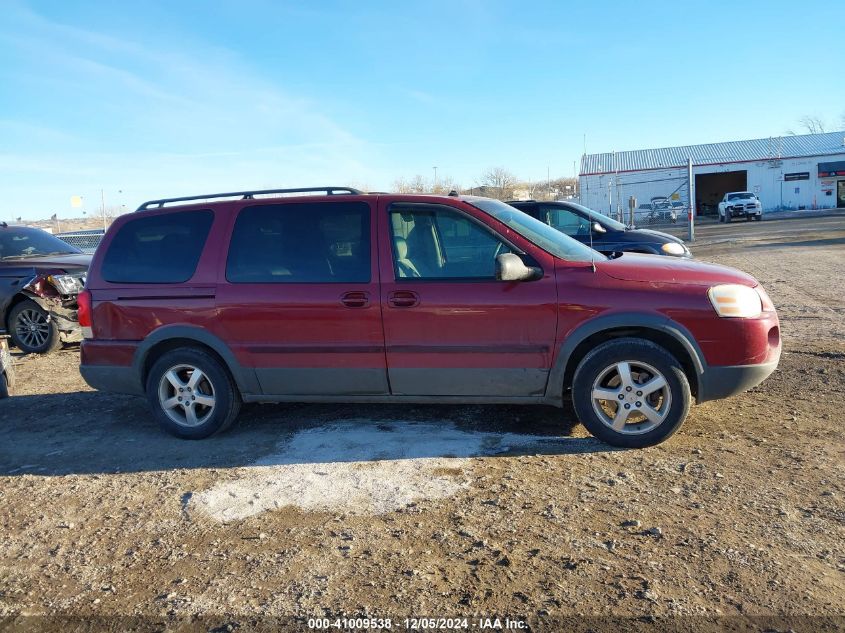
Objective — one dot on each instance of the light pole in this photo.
(103, 208)
(435, 177)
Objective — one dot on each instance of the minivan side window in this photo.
(435, 242)
(314, 242)
(157, 249)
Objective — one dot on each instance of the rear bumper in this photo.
(113, 379)
(729, 380)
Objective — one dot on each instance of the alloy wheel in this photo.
(32, 328)
(631, 397)
(186, 395)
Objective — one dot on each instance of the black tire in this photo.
(597, 362)
(4, 385)
(758, 217)
(216, 384)
(727, 217)
(22, 318)
(721, 218)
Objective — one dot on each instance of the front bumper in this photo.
(64, 313)
(722, 382)
(735, 213)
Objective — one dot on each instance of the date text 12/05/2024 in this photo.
(419, 624)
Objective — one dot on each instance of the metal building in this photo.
(789, 172)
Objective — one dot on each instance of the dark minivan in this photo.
(603, 233)
(277, 296)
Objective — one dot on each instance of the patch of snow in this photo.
(358, 467)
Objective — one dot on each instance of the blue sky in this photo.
(154, 99)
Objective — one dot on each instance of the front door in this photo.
(452, 329)
(300, 298)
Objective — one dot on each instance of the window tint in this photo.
(567, 221)
(157, 249)
(432, 242)
(320, 242)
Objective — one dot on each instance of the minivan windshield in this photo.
(535, 231)
(24, 241)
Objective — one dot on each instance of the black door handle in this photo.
(403, 299)
(355, 299)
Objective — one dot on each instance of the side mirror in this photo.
(598, 228)
(510, 267)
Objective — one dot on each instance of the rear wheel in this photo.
(32, 330)
(192, 394)
(631, 392)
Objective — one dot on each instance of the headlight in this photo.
(68, 284)
(673, 248)
(733, 300)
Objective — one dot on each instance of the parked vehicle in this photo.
(205, 302)
(663, 210)
(7, 370)
(740, 203)
(40, 278)
(604, 234)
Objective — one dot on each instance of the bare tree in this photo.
(813, 124)
(418, 184)
(500, 182)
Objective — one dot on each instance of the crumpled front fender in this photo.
(63, 310)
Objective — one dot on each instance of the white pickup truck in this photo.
(740, 203)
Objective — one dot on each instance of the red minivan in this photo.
(333, 295)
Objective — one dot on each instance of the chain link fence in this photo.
(86, 241)
(658, 199)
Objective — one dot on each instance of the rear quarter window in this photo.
(160, 249)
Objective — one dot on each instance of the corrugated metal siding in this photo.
(715, 153)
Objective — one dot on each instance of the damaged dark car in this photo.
(40, 278)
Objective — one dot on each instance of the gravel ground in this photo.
(393, 511)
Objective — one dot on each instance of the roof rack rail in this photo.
(249, 195)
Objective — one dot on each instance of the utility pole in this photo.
(691, 213)
(435, 178)
(549, 182)
(575, 185)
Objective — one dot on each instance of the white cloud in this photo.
(154, 120)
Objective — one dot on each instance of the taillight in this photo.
(84, 313)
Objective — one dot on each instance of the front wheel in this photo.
(191, 394)
(631, 392)
(758, 217)
(32, 330)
